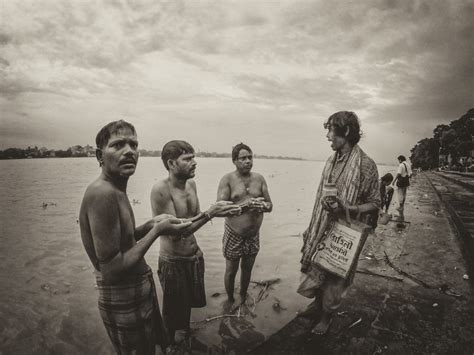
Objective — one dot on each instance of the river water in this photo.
(48, 302)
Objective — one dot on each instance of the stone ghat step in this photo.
(465, 181)
(458, 198)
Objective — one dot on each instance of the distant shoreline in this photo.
(198, 156)
(157, 156)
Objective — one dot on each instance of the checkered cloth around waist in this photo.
(235, 246)
(131, 313)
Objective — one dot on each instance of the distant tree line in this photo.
(451, 145)
(43, 152)
(89, 151)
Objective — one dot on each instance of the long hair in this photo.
(340, 121)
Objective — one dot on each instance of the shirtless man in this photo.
(241, 235)
(181, 262)
(127, 300)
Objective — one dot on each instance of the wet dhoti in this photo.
(234, 246)
(182, 281)
(131, 314)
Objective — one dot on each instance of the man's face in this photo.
(244, 161)
(120, 154)
(337, 142)
(184, 166)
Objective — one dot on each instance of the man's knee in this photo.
(247, 263)
(232, 266)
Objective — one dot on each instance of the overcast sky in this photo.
(215, 73)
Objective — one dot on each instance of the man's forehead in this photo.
(244, 152)
(123, 133)
(187, 155)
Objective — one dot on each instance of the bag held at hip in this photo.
(339, 249)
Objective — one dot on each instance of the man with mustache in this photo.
(181, 262)
(127, 298)
(241, 234)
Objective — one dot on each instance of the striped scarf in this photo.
(348, 185)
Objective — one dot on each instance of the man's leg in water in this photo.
(246, 267)
(231, 267)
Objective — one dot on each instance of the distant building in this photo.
(76, 150)
(43, 151)
(89, 151)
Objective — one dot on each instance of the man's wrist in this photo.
(157, 229)
(208, 215)
(149, 225)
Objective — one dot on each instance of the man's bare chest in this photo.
(185, 203)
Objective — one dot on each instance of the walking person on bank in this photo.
(128, 303)
(403, 181)
(242, 233)
(355, 177)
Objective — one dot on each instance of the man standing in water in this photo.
(241, 234)
(127, 298)
(181, 262)
(356, 178)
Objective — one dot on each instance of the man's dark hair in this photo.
(402, 158)
(388, 178)
(174, 149)
(236, 150)
(340, 121)
(106, 132)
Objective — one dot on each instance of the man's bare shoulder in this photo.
(228, 177)
(100, 189)
(257, 176)
(99, 194)
(161, 188)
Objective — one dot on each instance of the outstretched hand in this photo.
(257, 204)
(161, 217)
(171, 225)
(224, 209)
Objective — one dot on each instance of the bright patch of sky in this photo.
(216, 73)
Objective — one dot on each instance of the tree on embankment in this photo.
(455, 140)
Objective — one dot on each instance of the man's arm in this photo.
(219, 209)
(161, 203)
(399, 174)
(372, 195)
(268, 205)
(142, 230)
(104, 221)
(223, 191)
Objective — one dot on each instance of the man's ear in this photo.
(348, 130)
(98, 155)
(171, 163)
